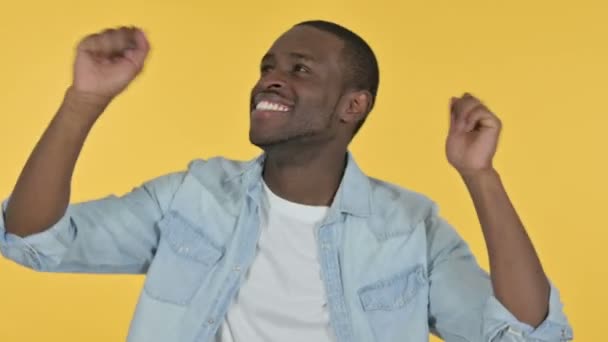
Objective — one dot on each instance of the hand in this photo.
(107, 62)
(473, 135)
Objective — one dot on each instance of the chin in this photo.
(266, 139)
(262, 141)
(266, 142)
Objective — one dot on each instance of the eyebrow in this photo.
(299, 55)
(293, 55)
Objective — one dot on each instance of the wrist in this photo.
(82, 107)
(481, 176)
(85, 98)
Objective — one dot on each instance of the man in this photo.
(298, 244)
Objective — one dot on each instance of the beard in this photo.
(282, 140)
(314, 130)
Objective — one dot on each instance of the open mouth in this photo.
(270, 106)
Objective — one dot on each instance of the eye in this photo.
(301, 68)
(265, 68)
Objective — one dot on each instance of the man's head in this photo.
(318, 82)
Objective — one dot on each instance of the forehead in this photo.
(320, 45)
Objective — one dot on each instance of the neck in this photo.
(306, 176)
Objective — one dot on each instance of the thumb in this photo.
(453, 101)
(137, 55)
(452, 114)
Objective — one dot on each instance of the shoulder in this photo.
(389, 200)
(217, 166)
(218, 169)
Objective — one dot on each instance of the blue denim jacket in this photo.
(392, 268)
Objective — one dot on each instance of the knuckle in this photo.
(479, 108)
(90, 38)
(108, 32)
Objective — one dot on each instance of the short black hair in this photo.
(362, 66)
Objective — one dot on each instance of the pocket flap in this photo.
(188, 240)
(394, 292)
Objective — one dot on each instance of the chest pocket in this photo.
(184, 258)
(396, 307)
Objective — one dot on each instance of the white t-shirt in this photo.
(283, 297)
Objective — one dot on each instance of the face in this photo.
(299, 91)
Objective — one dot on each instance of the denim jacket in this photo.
(393, 269)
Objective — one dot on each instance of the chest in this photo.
(374, 286)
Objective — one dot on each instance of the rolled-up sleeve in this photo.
(462, 305)
(500, 325)
(115, 234)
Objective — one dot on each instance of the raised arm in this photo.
(105, 65)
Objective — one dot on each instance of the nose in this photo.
(273, 80)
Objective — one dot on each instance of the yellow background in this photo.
(541, 65)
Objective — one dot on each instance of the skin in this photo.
(517, 275)
(105, 65)
(305, 146)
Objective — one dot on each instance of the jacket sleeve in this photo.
(109, 235)
(462, 305)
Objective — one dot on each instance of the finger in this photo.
(490, 121)
(452, 114)
(89, 43)
(105, 42)
(479, 117)
(109, 43)
(120, 40)
(98, 44)
(141, 41)
(123, 39)
(465, 104)
(142, 47)
(464, 118)
(453, 101)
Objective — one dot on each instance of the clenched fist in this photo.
(473, 136)
(107, 62)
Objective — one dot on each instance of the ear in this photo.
(355, 106)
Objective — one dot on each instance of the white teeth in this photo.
(267, 105)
